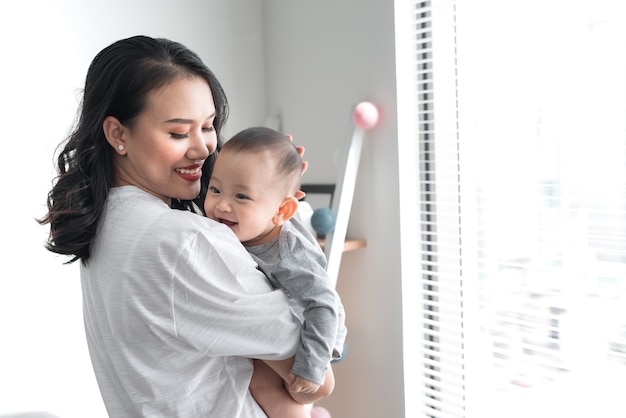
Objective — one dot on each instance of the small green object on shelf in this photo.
(323, 221)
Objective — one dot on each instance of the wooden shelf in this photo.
(349, 245)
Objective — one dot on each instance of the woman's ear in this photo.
(114, 133)
(286, 210)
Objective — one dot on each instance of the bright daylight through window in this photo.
(520, 139)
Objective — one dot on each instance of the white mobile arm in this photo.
(365, 117)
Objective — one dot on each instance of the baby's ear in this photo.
(286, 210)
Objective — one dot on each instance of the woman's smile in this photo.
(190, 173)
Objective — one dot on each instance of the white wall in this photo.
(323, 57)
(47, 47)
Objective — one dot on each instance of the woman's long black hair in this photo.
(118, 82)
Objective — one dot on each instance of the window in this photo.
(513, 179)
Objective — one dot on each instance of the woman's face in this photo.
(169, 141)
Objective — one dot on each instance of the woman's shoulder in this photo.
(152, 218)
(186, 222)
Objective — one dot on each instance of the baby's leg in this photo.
(269, 391)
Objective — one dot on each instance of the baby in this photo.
(252, 190)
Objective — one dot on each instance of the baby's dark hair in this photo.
(257, 140)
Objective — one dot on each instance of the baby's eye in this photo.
(178, 136)
(214, 190)
(241, 196)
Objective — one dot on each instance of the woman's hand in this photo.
(305, 164)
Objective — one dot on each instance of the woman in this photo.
(173, 304)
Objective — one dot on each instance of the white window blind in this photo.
(512, 133)
(434, 310)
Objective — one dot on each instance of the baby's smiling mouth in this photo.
(227, 222)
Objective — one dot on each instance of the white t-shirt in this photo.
(174, 308)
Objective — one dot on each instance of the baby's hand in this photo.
(300, 385)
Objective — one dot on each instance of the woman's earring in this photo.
(120, 147)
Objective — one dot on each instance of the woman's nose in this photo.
(201, 146)
(211, 144)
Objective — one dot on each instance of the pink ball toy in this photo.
(365, 115)
(320, 412)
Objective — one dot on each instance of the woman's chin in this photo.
(188, 194)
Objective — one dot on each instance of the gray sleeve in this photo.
(302, 273)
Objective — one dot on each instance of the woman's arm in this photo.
(223, 305)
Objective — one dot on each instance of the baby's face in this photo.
(243, 195)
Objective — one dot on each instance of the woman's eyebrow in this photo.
(187, 121)
(179, 120)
